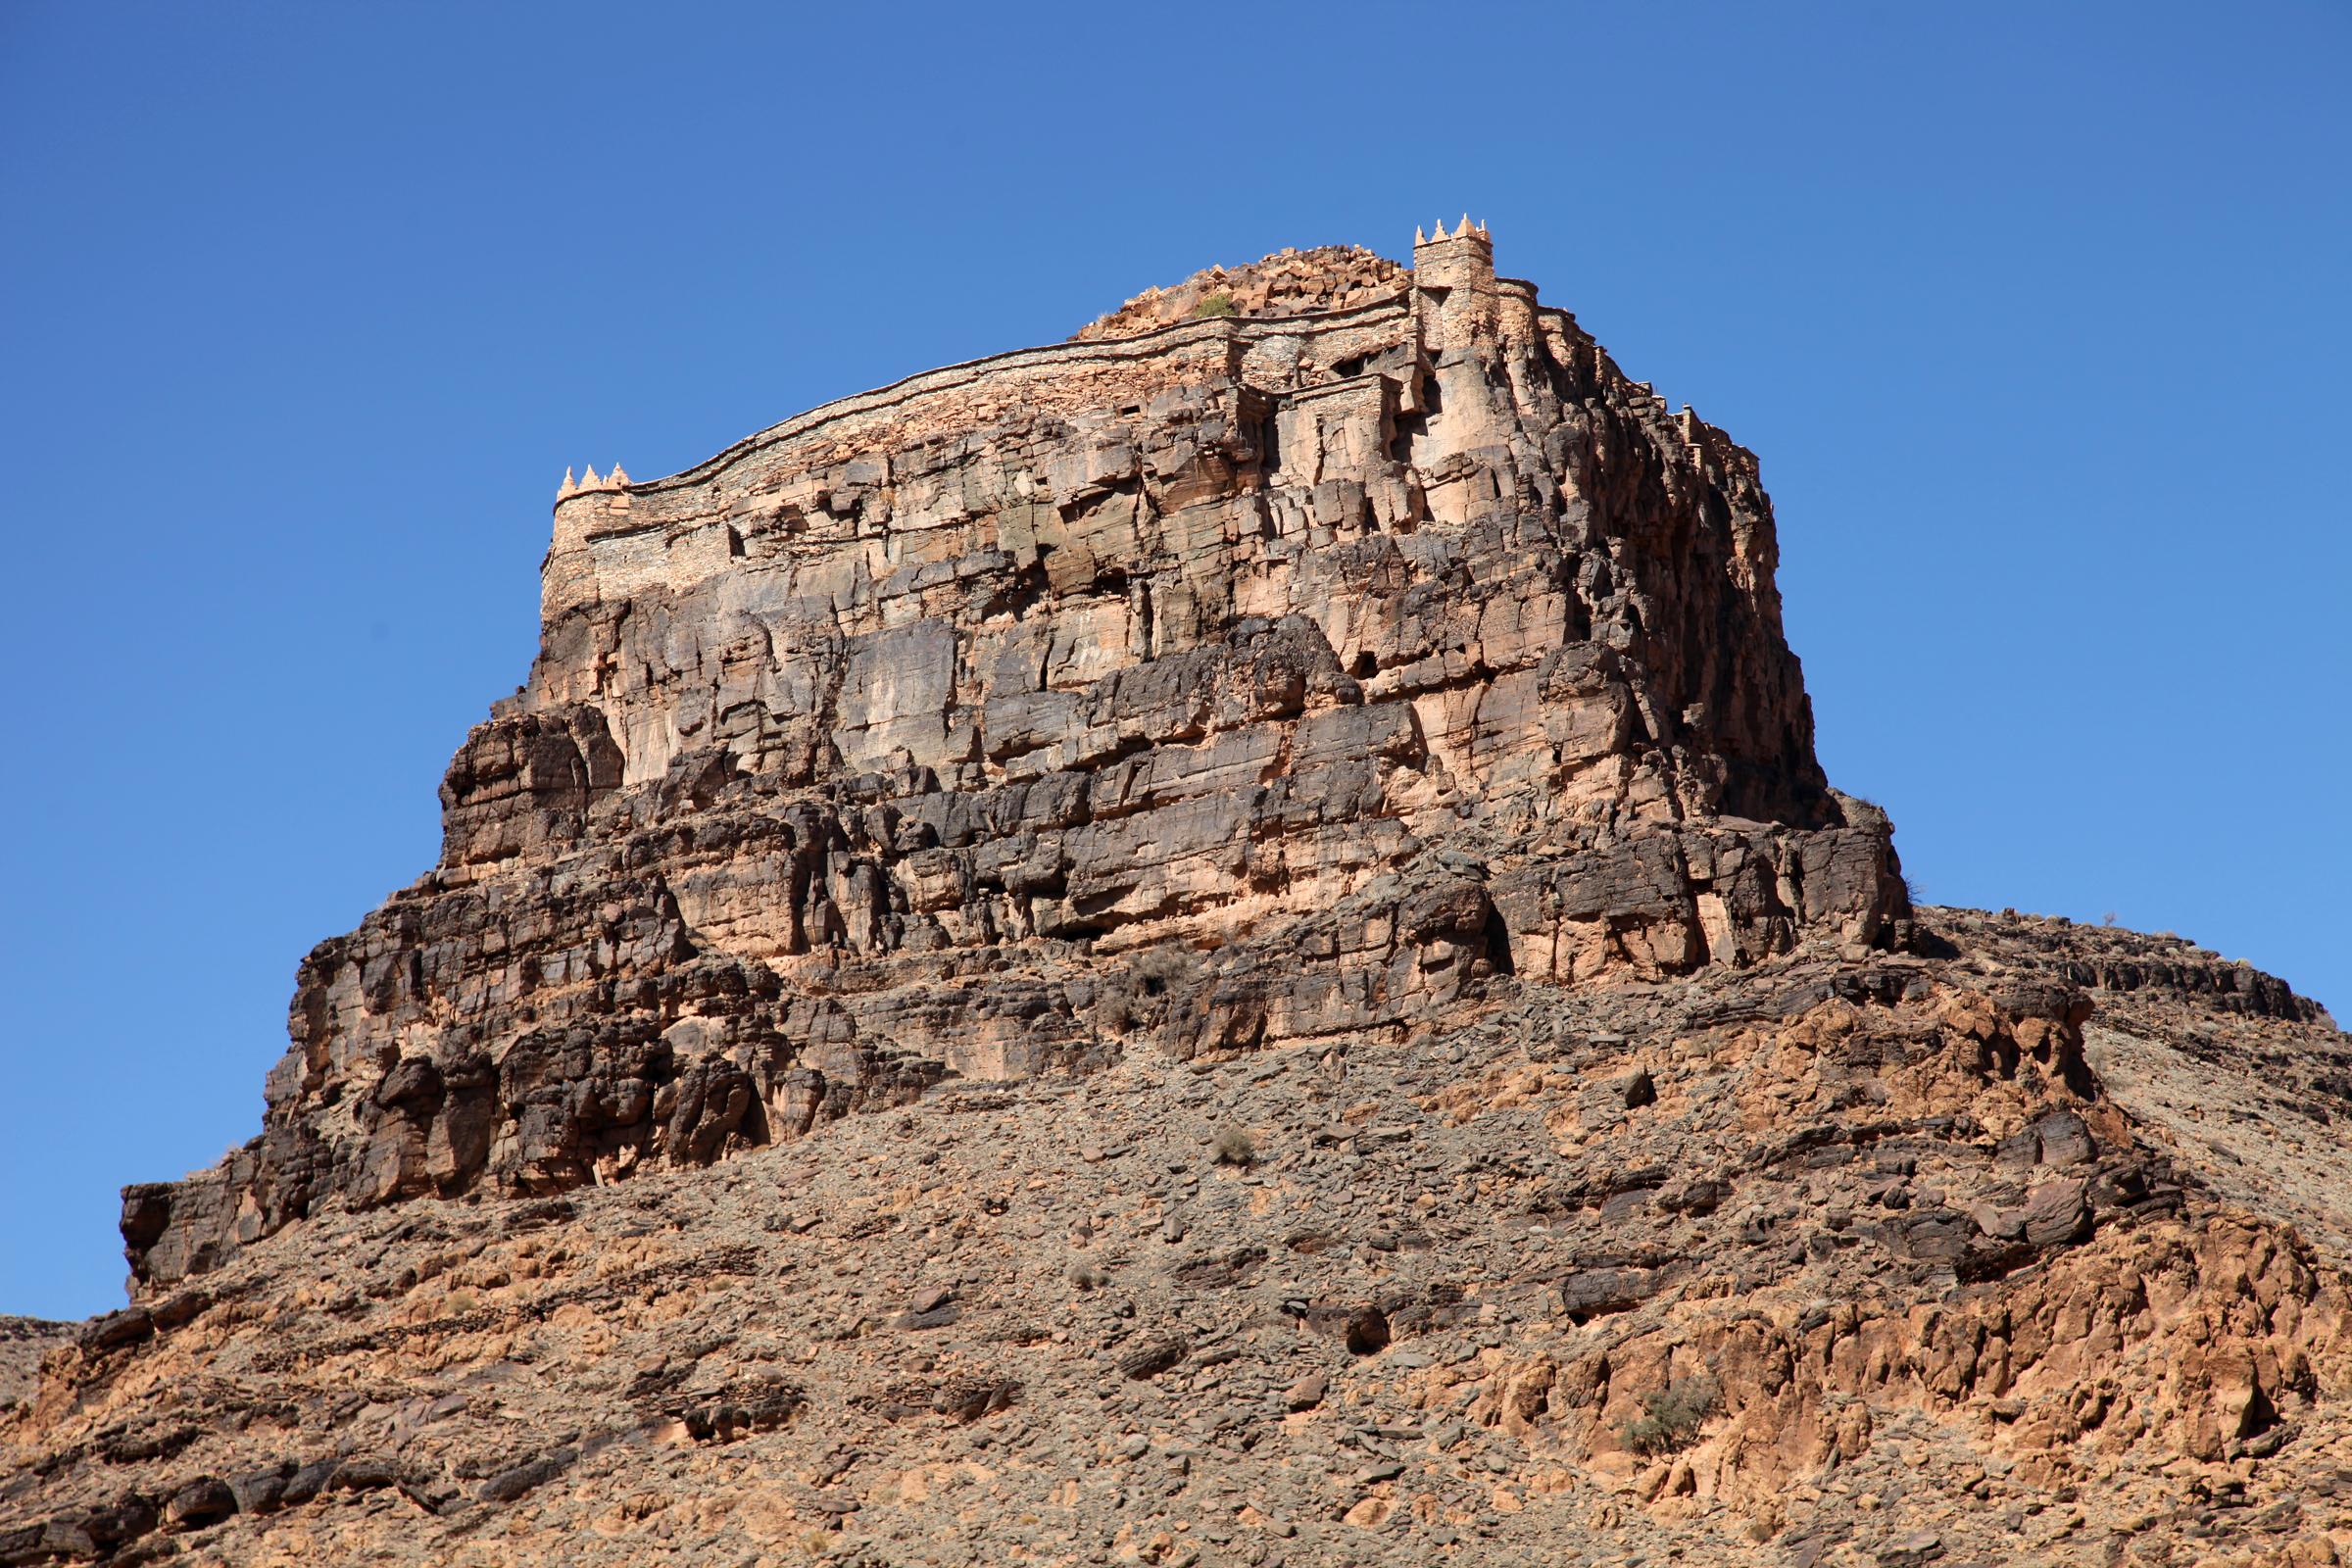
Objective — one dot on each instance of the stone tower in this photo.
(1454, 280)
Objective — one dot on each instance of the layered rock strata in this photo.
(1831, 1262)
(1297, 803)
(1344, 653)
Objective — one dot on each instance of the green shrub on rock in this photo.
(1671, 1417)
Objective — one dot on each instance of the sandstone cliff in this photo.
(1219, 943)
(1346, 652)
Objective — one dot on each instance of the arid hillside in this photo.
(1217, 943)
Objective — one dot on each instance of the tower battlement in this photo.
(1444, 261)
(1453, 283)
(590, 483)
(1473, 233)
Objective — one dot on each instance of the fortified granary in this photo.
(1217, 943)
(1353, 640)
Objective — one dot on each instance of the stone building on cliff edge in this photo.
(1358, 647)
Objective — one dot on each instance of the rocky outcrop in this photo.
(1295, 806)
(24, 1342)
(1328, 277)
(1841, 1260)
(1358, 647)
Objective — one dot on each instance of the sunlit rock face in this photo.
(1351, 635)
(1296, 809)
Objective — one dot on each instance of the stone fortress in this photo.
(1215, 946)
(1359, 645)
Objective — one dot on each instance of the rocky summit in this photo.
(1217, 943)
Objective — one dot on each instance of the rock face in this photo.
(1344, 653)
(1293, 817)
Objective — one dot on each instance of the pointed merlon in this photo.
(589, 480)
(1441, 233)
(619, 477)
(1417, 236)
(570, 486)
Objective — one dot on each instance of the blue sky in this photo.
(2035, 313)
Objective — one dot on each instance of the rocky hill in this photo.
(1217, 943)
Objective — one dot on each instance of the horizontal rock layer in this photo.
(1294, 673)
(1842, 1261)
(1317, 655)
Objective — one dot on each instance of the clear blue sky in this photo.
(2037, 315)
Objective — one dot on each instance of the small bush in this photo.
(1670, 1418)
(1235, 1146)
(1115, 1003)
(1219, 303)
(1134, 995)
(1156, 968)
